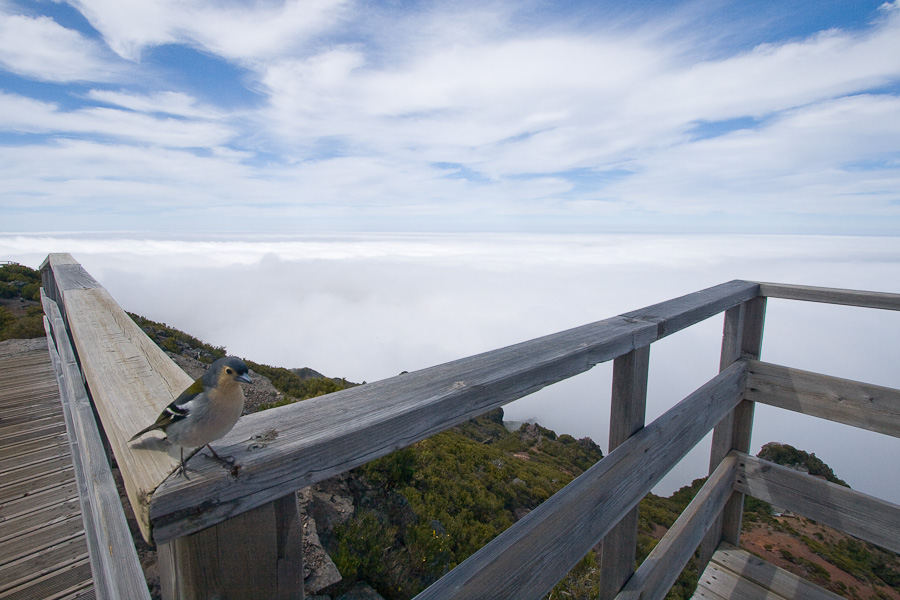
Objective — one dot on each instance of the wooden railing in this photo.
(235, 533)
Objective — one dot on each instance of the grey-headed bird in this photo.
(206, 410)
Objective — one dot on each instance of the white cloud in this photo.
(438, 114)
(514, 105)
(811, 159)
(40, 48)
(171, 103)
(21, 114)
(230, 29)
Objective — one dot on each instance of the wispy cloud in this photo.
(40, 48)
(488, 115)
(234, 30)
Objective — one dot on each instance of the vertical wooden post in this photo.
(742, 337)
(257, 555)
(627, 414)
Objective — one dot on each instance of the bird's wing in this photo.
(194, 390)
(175, 411)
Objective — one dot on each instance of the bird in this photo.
(206, 410)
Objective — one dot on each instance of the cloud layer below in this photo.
(367, 307)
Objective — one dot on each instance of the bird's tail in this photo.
(143, 431)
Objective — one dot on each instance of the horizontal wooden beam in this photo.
(863, 516)
(290, 447)
(679, 313)
(529, 558)
(661, 568)
(882, 300)
(853, 403)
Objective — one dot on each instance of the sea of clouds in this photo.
(367, 307)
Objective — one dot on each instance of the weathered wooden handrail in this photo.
(861, 299)
(287, 448)
(294, 446)
(115, 567)
(530, 557)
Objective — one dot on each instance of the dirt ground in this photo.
(768, 543)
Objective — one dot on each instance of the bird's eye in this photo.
(229, 371)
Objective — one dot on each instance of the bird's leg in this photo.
(227, 460)
(183, 468)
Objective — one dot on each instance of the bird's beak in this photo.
(243, 378)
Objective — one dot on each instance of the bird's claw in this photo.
(182, 470)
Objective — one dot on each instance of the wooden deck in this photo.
(43, 552)
(734, 573)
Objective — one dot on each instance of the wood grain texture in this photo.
(530, 557)
(254, 556)
(741, 339)
(736, 574)
(41, 529)
(114, 562)
(674, 315)
(661, 568)
(628, 408)
(862, 405)
(130, 378)
(859, 298)
(288, 448)
(858, 514)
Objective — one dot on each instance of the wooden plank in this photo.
(44, 516)
(287, 448)
(14, 459)
(661, 568)
(46, 428)
(117, 572)
(678, 313)
(40, 499)
(42, 538)
(16, 432)
(774, 579)
(718, 583)
(36, 445)
(27, 472)
(863, 516)
(23, 489)
(864, 299)
(628, 410)
(71, 580)
(254, 556)
(131, 380)
(853, 403)
(530, 557)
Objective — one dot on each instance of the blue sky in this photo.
(703, 116)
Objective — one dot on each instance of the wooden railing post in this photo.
(257, 555)
(741, 338)
(627, 414)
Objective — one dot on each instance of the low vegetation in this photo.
(21, 315)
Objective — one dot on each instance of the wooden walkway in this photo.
(734, 573)
(43, 552)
